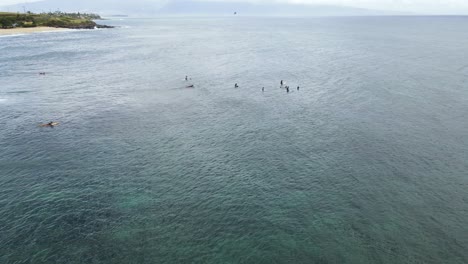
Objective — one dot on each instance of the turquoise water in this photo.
(366, 163)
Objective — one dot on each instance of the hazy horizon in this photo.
(257, 7)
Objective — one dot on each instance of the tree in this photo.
(7, 22)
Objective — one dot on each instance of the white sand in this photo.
(16, 31)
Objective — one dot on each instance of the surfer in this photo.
(281, 83)
(50, 124)
(186, 77)
(287, 89)
(298, 88)
(263, 89)
(236, 86)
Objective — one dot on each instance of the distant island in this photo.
(118, 16)
(56, 19)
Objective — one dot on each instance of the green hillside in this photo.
(56, 19)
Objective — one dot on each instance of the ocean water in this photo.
(366, 163)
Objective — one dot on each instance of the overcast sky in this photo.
(419, 6)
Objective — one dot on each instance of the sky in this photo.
(417, 6)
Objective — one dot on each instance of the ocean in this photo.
(366, 163)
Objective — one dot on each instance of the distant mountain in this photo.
(181, 7)
(189, 7)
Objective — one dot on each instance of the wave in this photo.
(37, 32)
(12, 35)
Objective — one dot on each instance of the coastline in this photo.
(16, 31)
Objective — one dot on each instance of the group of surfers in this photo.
(237, 86)
(53, 124)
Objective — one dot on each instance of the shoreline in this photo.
(17, 31)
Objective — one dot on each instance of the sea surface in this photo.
(366, 163)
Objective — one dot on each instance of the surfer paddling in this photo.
(50, 124)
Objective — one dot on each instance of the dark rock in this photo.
(104, 26)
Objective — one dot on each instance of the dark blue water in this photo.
(366, 163)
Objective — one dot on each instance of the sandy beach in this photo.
(15, 31)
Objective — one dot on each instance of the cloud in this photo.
(421, 6)
(396, 5)
(11, 2)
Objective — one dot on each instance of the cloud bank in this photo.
(423, 6)
(417, 6)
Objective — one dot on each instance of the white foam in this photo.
(12, 35)
(38, 32)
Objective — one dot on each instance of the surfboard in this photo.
(50, 125)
